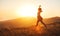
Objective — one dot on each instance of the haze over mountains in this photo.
(26, 27)
(25, 22)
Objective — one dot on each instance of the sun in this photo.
(27, 11)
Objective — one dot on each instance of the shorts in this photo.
(39, 18)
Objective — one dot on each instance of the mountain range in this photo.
(25, 22)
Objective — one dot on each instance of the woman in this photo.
(39, 18)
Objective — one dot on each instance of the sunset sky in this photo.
(10, 9)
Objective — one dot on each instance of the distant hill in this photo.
(52, 20)
(20, 22)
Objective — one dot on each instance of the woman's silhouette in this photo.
(39, 18)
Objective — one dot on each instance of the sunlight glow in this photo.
(37, 28)
(27, 11)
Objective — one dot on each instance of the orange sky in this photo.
(8, 8)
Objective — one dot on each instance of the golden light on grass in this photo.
(27, 11)
(37, 28)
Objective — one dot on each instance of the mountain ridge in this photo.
(28, 21)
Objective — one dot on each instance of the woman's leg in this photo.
(43, 24)
(37, 22)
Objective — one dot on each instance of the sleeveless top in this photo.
(38, 14)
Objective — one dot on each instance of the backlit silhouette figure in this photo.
(39, 18)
